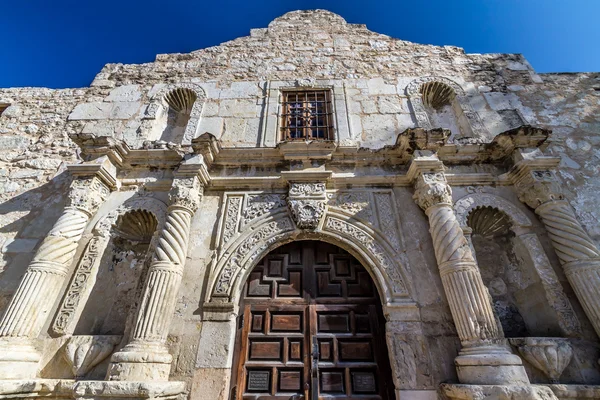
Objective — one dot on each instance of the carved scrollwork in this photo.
(307, 189)
(357, 235)
(538, 187)
(186, 193)
(257, 241)
(258, 205)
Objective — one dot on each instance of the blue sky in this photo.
(64, 43)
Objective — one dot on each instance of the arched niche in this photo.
(118, 253)
(439, 102)
(527, 296)
(258, 239)
(174, 113)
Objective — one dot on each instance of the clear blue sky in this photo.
(60, 43)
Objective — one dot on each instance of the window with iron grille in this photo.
(306, 115)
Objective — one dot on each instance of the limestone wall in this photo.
(370, 74)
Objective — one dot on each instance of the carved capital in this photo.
(537, 187)
(307, 203)
(186, 193)
(431, 189)
(87, 194)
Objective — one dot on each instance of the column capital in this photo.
(426, 172)
(87, 194)
(186, 192)
(536, 186)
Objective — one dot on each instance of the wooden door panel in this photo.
(311, 301)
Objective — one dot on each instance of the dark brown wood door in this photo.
(312, 328)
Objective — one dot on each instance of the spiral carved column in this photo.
(484, 358)
(43, 279)
(146, 356)
(576, 251)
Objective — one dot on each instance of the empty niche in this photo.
(517, 293)
(117, 288)
(174, 121)
(443, 108)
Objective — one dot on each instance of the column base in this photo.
(490, 365)
(140, 362)
(18, 359)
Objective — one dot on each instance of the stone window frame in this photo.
(158, 106)
(271, 128)
(3, 107)
(466, 113)
(309, 114)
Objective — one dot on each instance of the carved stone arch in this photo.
(472, 125)
(159, 104)
(465, 205)
(234, 265)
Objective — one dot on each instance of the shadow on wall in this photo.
(24, 222)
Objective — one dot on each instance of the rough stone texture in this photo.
(122, 131)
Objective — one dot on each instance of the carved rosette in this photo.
(307, 203)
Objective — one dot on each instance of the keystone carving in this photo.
(307, 203)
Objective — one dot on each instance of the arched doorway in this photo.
(311, 327)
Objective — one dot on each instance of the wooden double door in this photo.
(311, 328)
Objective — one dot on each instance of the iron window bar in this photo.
(307, 115)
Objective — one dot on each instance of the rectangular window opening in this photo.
(3, 107)
(307, 115)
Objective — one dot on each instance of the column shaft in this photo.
(146, 356)
(43, 279)
(484, 358)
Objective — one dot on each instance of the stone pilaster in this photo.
(44, 278)
(484, 358)
(146, 356)
(577, 252)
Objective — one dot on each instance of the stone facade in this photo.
(467, 185)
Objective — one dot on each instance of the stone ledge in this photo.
(92, 390)
(564, 392)
(496, 392)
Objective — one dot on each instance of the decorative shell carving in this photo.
(181, 100)
(137, 225)
(85, 352)
(489, 222)
(436, 94)
(549, 355)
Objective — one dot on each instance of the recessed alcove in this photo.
(121, 273)
(518, 296)
(174, 122)
(443, 109)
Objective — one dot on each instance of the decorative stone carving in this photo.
(549, 355)
(259, 239)
(354, 203)
(231, 218)
(258, 205)
(555, 296)
(80, 283)
(159, 105)
(538, 187)
(85, 352)
(146, 356)
(576, 251)
(307, 202)
(432, 189)
(483, 360)
(413, 91)
(358, 235)
(45, 275)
